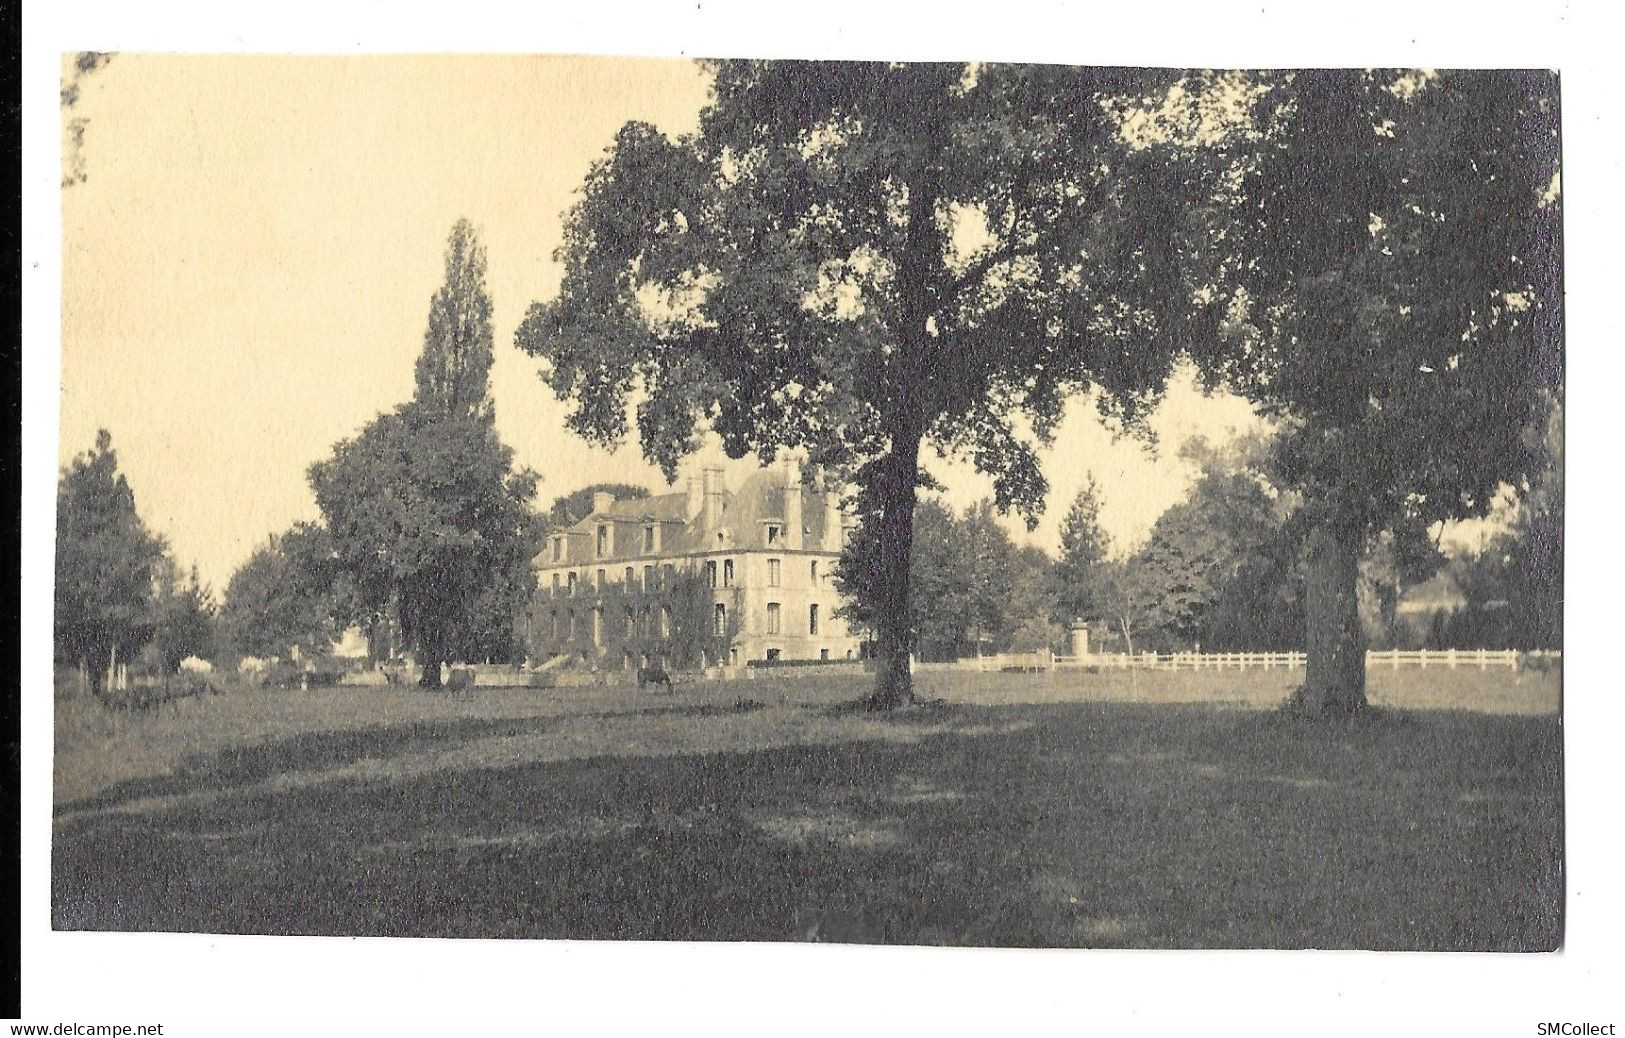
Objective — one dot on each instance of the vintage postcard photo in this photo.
(986, 515)
(909, 503)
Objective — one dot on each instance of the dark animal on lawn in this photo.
(653, 676)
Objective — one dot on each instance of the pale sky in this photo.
(247, 274)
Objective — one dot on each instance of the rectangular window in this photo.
(727, 572)
(665, 576)
(711, 573)
(648, 578)
(773, 625)
(629, 628)
(626, 583)
(772, 572)
(665, 621)
(570, 587)
(555, 583)
(603, 541)
(813, 576)
(558, 548)
(823, 654)
(720, 620)
(772, 534)
(649, 539)
(603, 580)
(812, 619)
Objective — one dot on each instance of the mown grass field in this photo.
(1079, 810)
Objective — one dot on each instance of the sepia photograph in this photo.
(972, 504)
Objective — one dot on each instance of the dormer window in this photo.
(558, 549)
(603, 540)
(651, 539)
(773, 531)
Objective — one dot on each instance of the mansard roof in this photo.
(742, 519)
(658, 508)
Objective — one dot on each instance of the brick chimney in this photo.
(792, 505)
(832, 518)
(711, 510)
(696, 499)
(601, 501)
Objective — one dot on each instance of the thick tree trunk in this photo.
(430, 678)
(91, 667)
(894, 684)
(1334, 682)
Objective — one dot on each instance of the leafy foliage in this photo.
(183, 617)
(973, 588)
(1513, 584)
(453, 371)
(289, 593)
(1219, 570)
(1387, 269)
(73, 158)
(106, 561)
(1084, 547)
(857, 258)
(430, 523)
(672, 624)
(1127, 599)
(427, 515)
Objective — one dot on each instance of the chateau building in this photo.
(754, 568)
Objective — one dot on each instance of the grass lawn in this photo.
(1163, 810)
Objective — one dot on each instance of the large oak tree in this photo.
(1391, 281)
(863, 259)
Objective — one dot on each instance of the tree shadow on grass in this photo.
(742, 706)
(246, 765)
(1091, 825)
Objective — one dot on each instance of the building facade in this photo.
(701, 577)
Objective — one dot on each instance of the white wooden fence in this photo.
(1481, 659)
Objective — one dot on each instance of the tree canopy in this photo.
(427, 515)
(428, 518)
(106, 563)
(975, 590)
(288, 593)
(1388, 270)
(855, 259)
(183, 617)
(453, 371)
(1220, 569)
(1084, 547)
